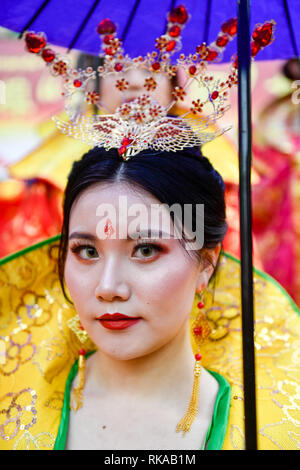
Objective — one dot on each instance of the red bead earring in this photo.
(201, 331)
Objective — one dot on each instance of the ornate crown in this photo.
(144, 123)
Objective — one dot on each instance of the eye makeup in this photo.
(78, 248)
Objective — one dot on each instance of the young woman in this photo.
(146, 304)
(134, 296)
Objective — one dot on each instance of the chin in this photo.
(126, 352)
(123, 355)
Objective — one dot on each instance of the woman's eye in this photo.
(85, 251)
(147, 250)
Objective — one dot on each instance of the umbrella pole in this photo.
(245, 154)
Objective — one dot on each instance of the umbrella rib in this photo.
(81, 28)
(130, 19)
(34, 17)
(207, 21)
(292, 34)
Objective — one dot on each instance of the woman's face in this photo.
(151, 280)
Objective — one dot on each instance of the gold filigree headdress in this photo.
(144, 123)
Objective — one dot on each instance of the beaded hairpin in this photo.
(144, 123)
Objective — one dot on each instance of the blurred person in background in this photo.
(276, 199)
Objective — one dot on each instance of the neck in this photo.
(139, 376)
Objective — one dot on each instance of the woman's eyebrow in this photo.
(83, 235)
(150, 233)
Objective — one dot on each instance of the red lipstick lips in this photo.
(117, 321)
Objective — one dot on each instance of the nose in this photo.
(112, 285)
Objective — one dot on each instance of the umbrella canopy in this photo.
(72, 23)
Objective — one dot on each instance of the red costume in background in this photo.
(30, 211)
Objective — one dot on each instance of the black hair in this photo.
(183, 177)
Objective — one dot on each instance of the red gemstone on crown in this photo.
(211, 55)
(126, 141)
(110, 50)
(174, 31)
(106, 26)
(230, 27)
(156, 66)
(171, 45)
(255, 48)
(82, 352)
(118, 67)
(263, 34)
(178, 15)
(192, 69)
(122, 150)
(35, 42)
(198, 357)
(48, 55)
(222, 41)
(108, 38)
(200, 305)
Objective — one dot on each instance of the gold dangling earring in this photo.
(201, 331)
(77, 392)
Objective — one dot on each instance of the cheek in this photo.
(77, 283)
(172, 292)
(70, 278)
(177, 274)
